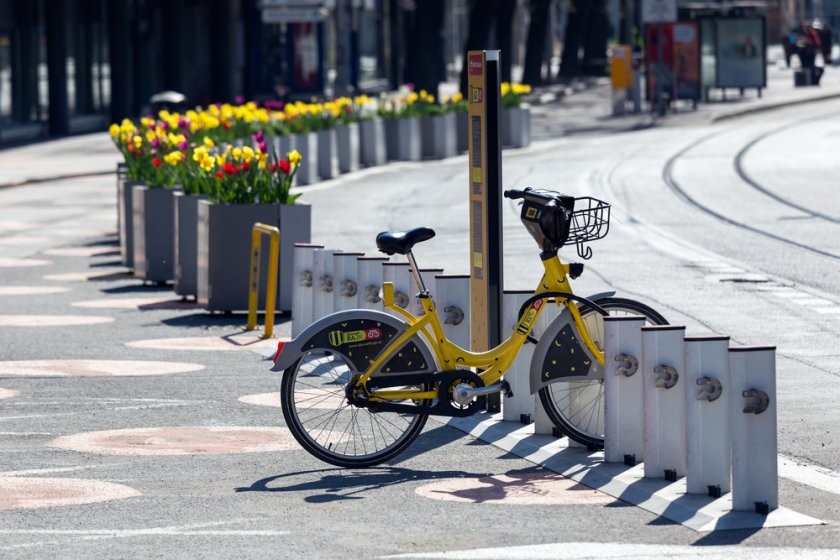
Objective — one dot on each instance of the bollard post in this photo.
(542, 423)
(370, 282)
(345, 290)
(452, 297)
(428, 275)
(323, 283)
(521, 407)
(755, 485)
(398, 273)
(707, 394)
(624, 435)
(663, 385)
(302, 287)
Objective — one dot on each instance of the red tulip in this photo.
(219, 175)
(284, 166)
(156, 162)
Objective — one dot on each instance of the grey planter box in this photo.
(347, 140)
(224, 251)
(327, 154)
(516, 127)
(125, 210)
(307, 145)
(281, 145)
(403, 137)
(154, 233)
(462, 119)
(185, 261)
(440, 135)
(372, 142)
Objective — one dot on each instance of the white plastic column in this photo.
(624, 426)
(707, 393)
(370, 282)
(398, 273)
(663, 386)
(452, 298)
(323, 283)
(428, 275)
(302, 291)
(523, 404)
(755, 483)
(346, 281)
(542, 423)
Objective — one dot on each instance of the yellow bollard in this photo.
(254, 280)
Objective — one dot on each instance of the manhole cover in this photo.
(180, 440)
(17, 492)
(94, 368)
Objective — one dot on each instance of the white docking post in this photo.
(663, 384)
(707, 394)
(370, 282)
(521, 407)
(345, 288)
(302, 287)
(398, 273)
(624, 426)
(755, 483)
(324, 283)
(428, 275)
(452, 298)
(542, 423)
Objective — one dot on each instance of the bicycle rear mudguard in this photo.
(561, 355)
(359, 335)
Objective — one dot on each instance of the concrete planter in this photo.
(154, 233)
(347, 140)
(281, 145)
(185, 258)
(516, 127)
(372, 146)
(224, 251)
(440, 136)
(462, 120)
(125, 209)
(307, 145)
(403, 139)
(327, 154)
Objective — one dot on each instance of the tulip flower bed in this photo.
(252, 154)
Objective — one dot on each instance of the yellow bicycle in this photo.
(358, 385)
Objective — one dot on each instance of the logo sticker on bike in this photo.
(339, 338)
(528, 320)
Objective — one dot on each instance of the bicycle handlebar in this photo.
(514, 194)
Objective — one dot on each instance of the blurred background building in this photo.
(69, 66)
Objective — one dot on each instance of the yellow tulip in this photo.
(208, 142)
(138, 141)
(247, 153)
(207, 162)
(114, 130)
(237, 153)
(294, 157)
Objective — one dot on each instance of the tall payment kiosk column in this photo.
(485, 177)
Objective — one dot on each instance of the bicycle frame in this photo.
(493, 363)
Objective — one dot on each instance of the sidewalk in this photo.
(556, 110)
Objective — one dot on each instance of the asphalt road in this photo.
(755, 259)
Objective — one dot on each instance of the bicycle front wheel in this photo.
(325, 424)
(577, 407)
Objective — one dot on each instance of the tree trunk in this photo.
(504, 36)
(594, 61)
(535, 44)
(482, 15)
(425, 67)
(576, 30)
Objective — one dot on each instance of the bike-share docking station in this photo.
(688, 423)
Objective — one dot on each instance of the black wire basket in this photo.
(590, 221)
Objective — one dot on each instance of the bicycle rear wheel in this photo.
(577, 407)
(325, 424)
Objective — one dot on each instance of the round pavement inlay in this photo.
(221, 343)
(134, 303)
(8, 393)
(94, 368)
(52, 320)
(514, 488)
(9, 262)
(313, 398)
(31, 290)
(180, 440)
(93, 251)
(18, 492)
(262, 399)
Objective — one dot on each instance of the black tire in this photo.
(327, 426)
(586, 424)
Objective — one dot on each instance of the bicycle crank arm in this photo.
(464, 394)
(439, 409)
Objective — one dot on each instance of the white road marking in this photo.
(594, 550)
(814, 476)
